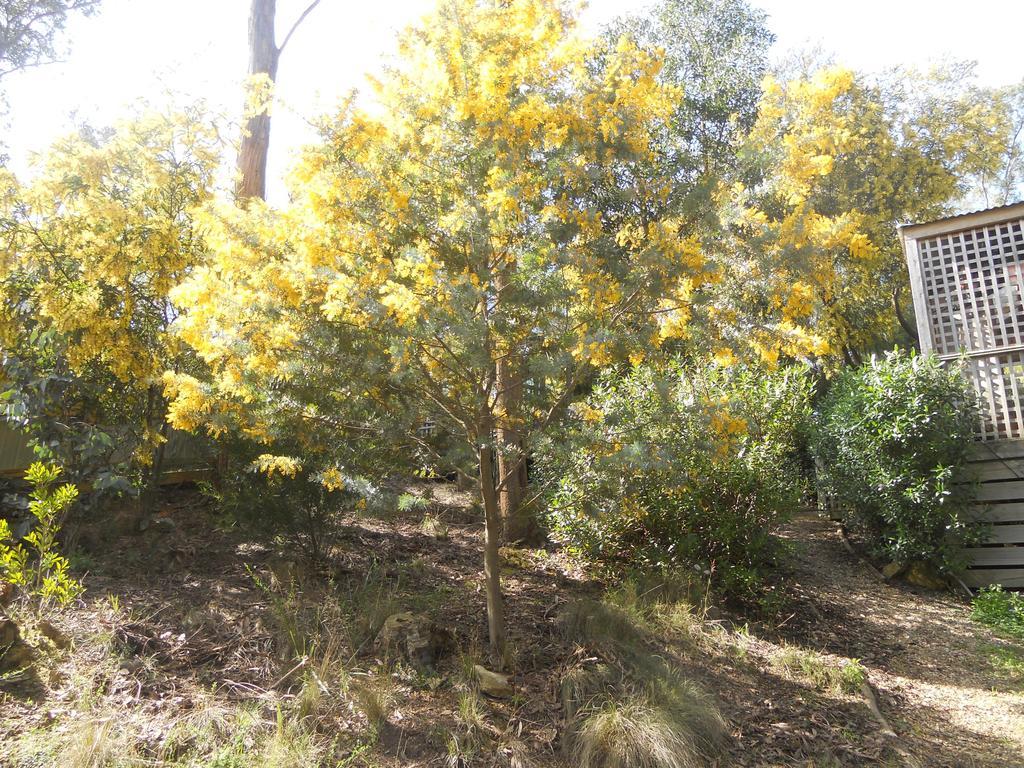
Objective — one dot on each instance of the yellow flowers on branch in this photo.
(89, 252)
(843, 159)
(504, 206)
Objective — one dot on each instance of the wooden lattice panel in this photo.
(967, 274)
(973, 285)
(999, 381)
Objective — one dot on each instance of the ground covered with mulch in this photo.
(197, 644)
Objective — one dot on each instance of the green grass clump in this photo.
(1003, 611)
(1010, 662)
(819, 671)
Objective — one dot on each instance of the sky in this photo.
(137, 52)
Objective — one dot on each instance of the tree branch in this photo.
(298, 21)
(910, 330)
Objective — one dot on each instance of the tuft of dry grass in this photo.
(682, 730)
(634, 709)
(433, 526)
(602, 626)
(374, 695)
(587, 686)
(95, 743)
(470, 734)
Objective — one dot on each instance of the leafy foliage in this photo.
(832, 161)
(681, 466)
(891, 436)
(88, 254)
(716, 51)
(298, 509)
(29, 30)
(41, 570)
(1001, 610)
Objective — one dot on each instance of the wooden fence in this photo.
(998, 468)
(967, 280)
(185, 457)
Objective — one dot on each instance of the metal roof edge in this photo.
(963, 221)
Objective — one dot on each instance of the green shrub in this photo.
(41, 570)
(892, 436)
(299, 510)
(1000, 610)
(678, 467)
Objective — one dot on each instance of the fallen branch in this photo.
(886, 729)
(849, 548)
(302, 662)
(872, 702)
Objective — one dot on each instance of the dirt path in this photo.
(935, 670)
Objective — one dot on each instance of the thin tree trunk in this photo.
(155, 405)
(263, 58)
(519, 524)
(492, 561)
(907, 327)
(158, 463)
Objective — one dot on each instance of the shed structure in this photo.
(967, 280)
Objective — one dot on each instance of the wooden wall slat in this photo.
(1011, 578)
(1010, 490)
(997, 469)
(1012, 512)
(1007, 534)
(997, 449)
(1005, 556)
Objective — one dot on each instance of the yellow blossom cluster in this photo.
(270, 465)
(95, 243)
(458, 219)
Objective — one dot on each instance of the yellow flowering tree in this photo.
(89, 251)
(842, 161)
(499, 203)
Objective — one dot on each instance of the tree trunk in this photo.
(904, 323)
(155, 411)
(519, 524)
(263, 57)
(492, 561)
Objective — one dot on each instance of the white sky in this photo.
(138, 50)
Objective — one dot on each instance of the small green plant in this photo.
(1000, 610)
(410, 502)
(433, 526)
(41, 570)
(1008, 661)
